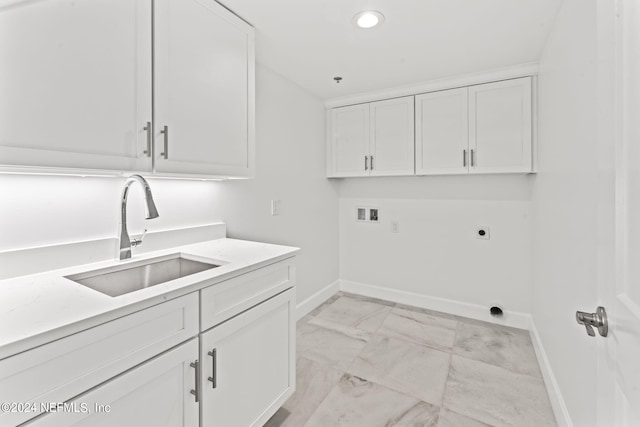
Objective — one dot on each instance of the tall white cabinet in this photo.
(162, 86)
(372, 139)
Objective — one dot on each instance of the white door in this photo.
(204, 89)
(248, 365)
(391, 137)
(442, 132)
(157, 393)
(500, 127)
(349, 147)
(75, 81)
(619, 361)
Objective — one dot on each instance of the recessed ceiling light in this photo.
(368, 19)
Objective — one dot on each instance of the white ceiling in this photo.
(311, 41)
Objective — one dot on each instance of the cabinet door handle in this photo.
(472, 159)
(464, 158)
(371, 159)
(148, 129)
(366, 163)
(214, 376)
(196, 392)
(165, 132)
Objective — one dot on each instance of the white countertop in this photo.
(40, 308)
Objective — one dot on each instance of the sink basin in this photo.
(123, 279)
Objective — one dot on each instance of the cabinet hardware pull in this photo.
(148, 129)
(472, 159)
(371, 160)
(464, 158)
(214, 376)
(366, 163)
(196, 392)
(165, 132)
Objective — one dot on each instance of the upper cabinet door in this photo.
(391, 137)
(500, 127)
(349, 145)
(203, 89)
(442, 136)
(75, 84)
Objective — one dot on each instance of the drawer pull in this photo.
(213, 378)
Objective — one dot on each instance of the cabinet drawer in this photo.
(226, 299)
(63, 369)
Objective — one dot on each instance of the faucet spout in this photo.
(124, 251)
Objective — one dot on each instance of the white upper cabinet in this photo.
(204, 89)
(75, 84)
(486, 128)
(349, 146)
(500, 127)
(78, 79)
(391, 137)
(373, 139)
(442, 137)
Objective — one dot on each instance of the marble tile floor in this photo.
(363, 362)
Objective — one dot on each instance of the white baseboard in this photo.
(557, 402)
(305, 307)
(474, 311)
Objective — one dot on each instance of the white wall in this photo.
(436, 254)
(290, 129)
(47, 210)
(565, 207)
(42, 210)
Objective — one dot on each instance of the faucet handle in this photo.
(137, 242)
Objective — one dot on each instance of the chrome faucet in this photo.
(151, 212)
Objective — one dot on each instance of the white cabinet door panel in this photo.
(500, 126)
(204, 84)
(392, 137)
(254, 364)
(442, 137)
(75, 84)
(157, 393)
(350, 140)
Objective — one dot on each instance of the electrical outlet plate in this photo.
(483, 232)
(374, 215)
(275, 207)
(361, 214)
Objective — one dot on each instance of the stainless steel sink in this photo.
(123, 279)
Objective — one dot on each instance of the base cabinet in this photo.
(161, 367)
(248, 365)
(157, 393)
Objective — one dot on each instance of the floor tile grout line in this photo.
(497, 366)
(446, 382)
